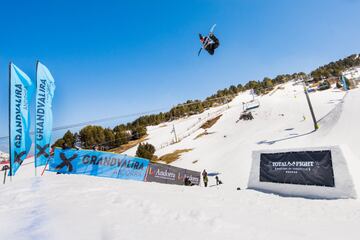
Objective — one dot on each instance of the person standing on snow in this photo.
(218, 181)
(205, 177)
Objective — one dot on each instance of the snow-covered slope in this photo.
(278, 123)
(84, 207)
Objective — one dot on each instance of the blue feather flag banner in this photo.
(21, 91)
(45, 88)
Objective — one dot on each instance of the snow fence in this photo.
(320, 172)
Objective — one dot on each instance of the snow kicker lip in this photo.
(344, 186)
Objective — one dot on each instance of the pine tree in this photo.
(145, 150)
(69, 139)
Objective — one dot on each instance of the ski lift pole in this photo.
(316, 126)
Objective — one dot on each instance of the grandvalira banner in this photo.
(305, 168)
(100, 164)
(45, 88)
(21, 91)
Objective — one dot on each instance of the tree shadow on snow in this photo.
(271, 142)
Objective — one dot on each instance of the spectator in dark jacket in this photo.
(205, 178)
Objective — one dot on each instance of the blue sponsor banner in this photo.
(21, 91)
(43, 126)
(343, 80)
(100, 164)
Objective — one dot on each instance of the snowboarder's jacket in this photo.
(210, 43)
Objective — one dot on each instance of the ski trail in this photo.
(327, 122)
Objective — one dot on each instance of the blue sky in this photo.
(112, 58)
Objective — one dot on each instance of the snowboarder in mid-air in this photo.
(209, 43)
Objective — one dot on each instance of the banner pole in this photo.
(47, 162)
(4, 176)
(35, 155)
(10, 154)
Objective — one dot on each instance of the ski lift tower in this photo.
(252, 91)
(174, 132)
(254, 103)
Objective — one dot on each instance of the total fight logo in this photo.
(294, 166)
(303, 167)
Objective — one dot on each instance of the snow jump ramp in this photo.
(318, 173)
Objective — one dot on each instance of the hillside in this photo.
(278, 123)
(111, 138)
(99, 208)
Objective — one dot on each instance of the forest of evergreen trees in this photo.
(334, 69)
(108, 138)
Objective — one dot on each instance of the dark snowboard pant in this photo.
(205, 183)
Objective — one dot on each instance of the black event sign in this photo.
(163, 173)
(305, 168)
